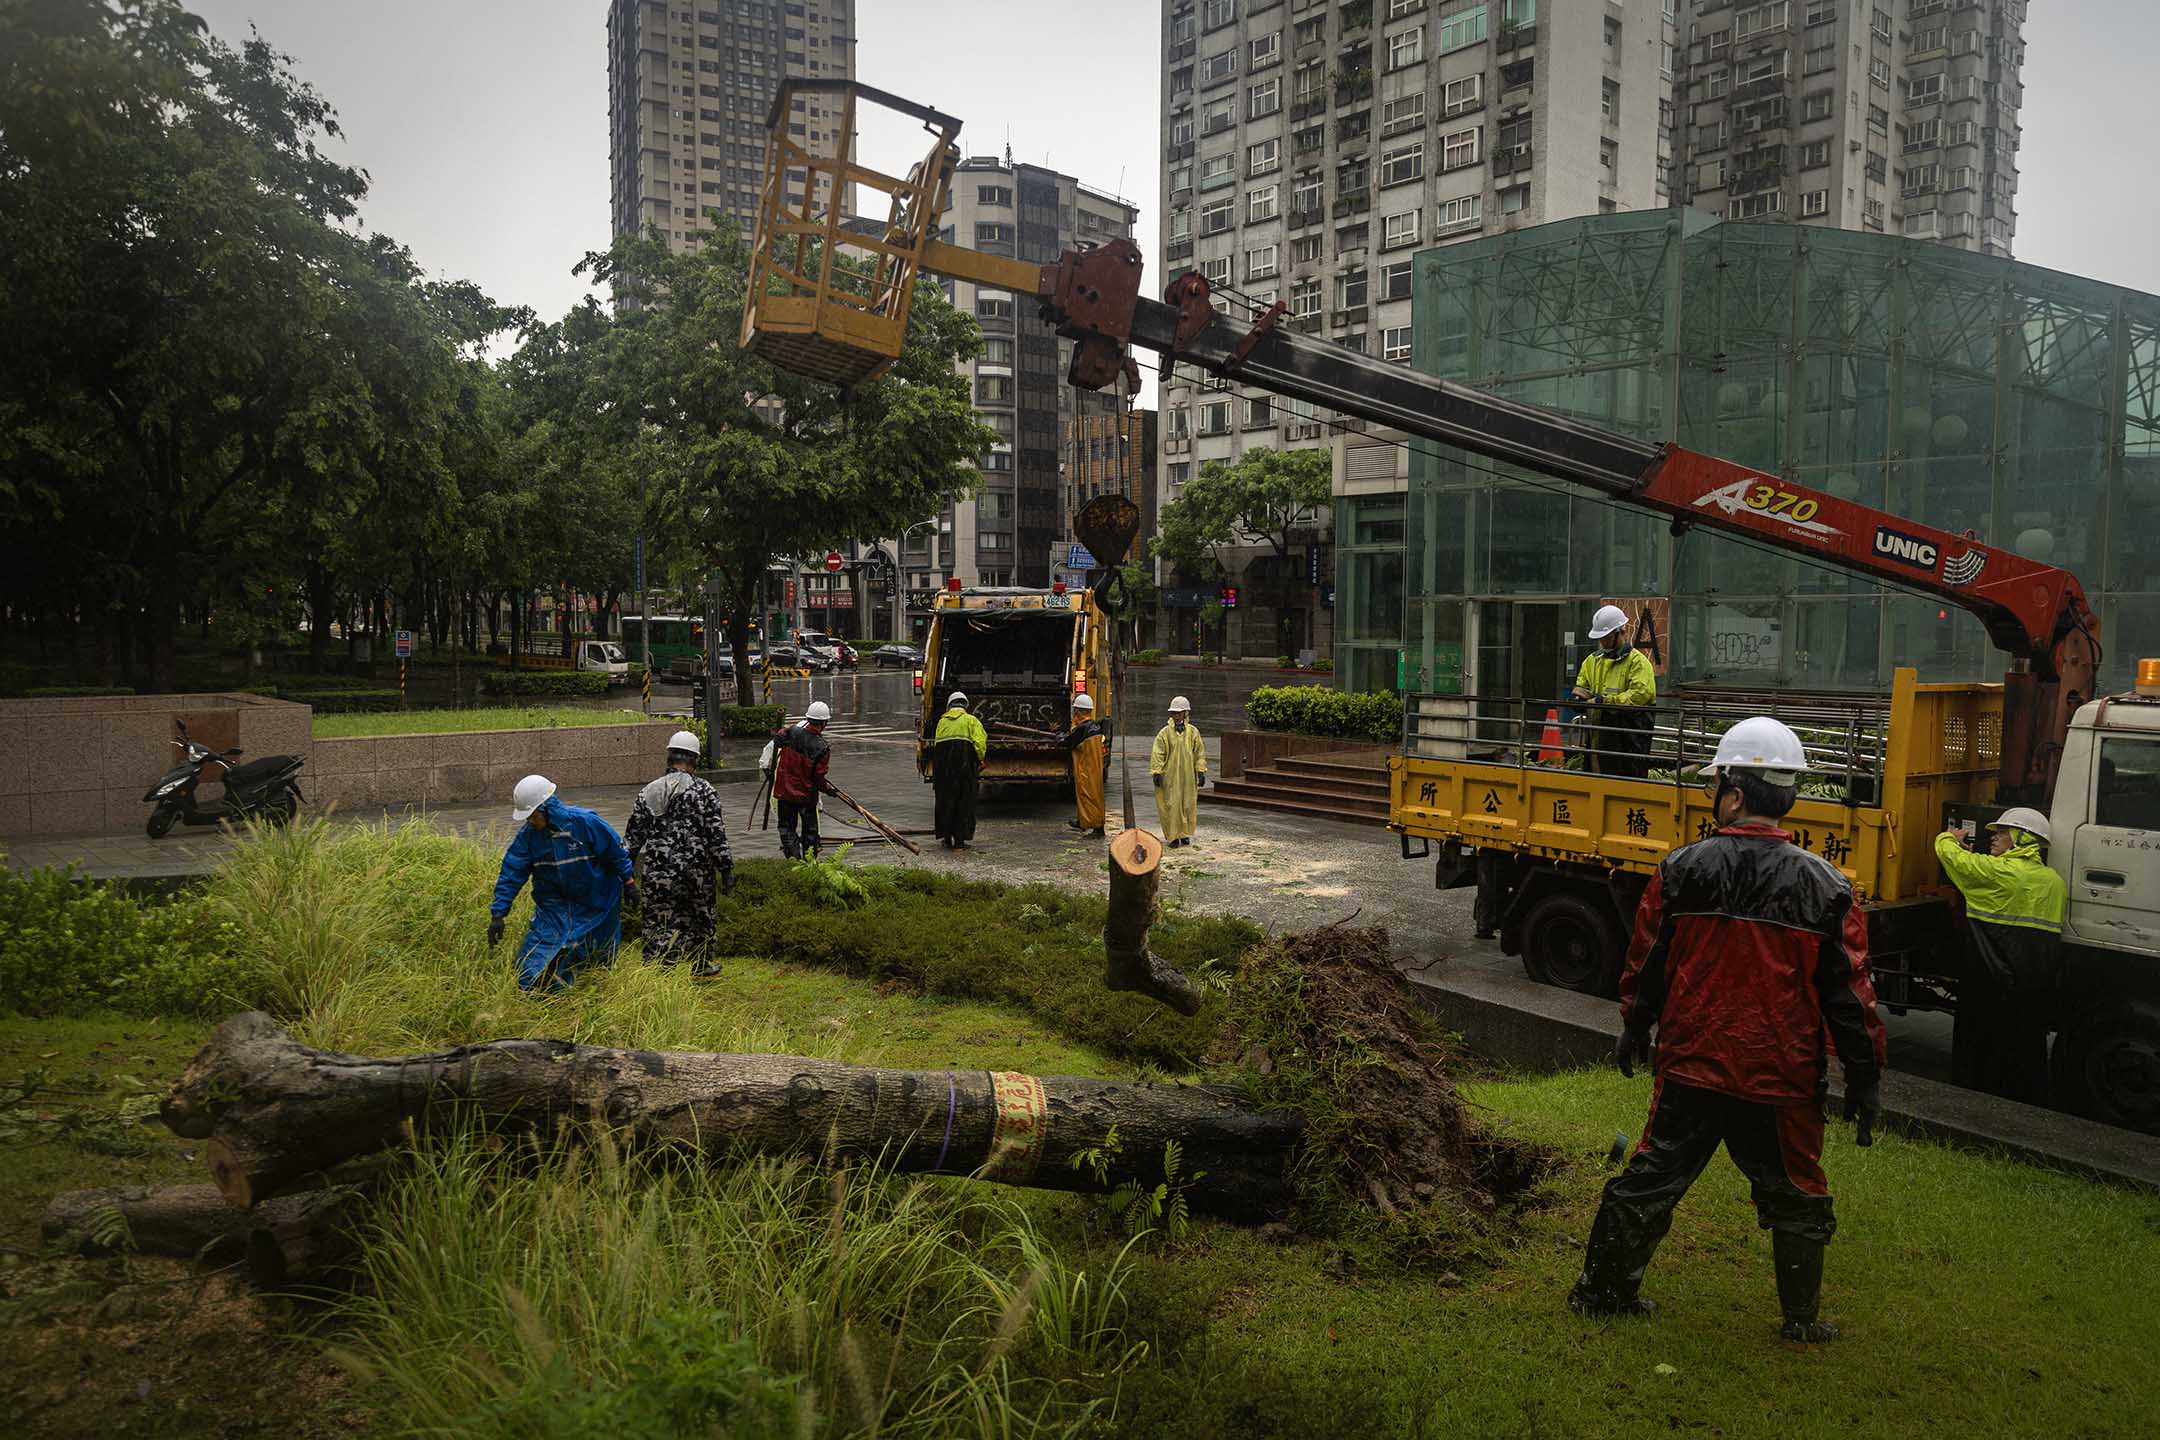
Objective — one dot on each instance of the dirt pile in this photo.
(1322, 1022)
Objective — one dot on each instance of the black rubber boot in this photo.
(1799, 1287)
(1612, 1274)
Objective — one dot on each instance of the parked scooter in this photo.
(268, 788)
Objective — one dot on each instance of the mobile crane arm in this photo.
(2035, 612)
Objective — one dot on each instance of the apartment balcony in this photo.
(1357, 16)
(1514, 37)
(1758, 89)
(1353, 127)
(1177, 252)
(1352, 202)
(1177, 152)
(1353, 85)
(1511, 159)
(1183, 50)
(1355, 315)
(1299, 219)
(1306, 109)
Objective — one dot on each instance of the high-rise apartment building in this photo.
(1005, 535)
(1887, 115)
(1315, 146)
(690, 85)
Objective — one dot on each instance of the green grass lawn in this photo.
(1979, 1296)
(457, 722)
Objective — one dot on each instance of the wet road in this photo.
(869, 699)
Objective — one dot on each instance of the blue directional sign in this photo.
(1078, 558)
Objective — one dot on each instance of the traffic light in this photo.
(1226, 595)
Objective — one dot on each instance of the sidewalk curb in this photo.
(1516, 1021)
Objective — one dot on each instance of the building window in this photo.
(1350, 290)
(1402, 229)
(1217, 216)
(1821, 12)
(1263, 158)
(1181, 130)
(1215, 417)
(1514, 198)
(1218, 14)
(997, 352)
(1217, 270)
(1305, 250)
(1217, 171)
(1609, 101)
(1395, 280)
(1716, 83)
(1218, 67)
(1309, 32)
(1466, 27)
(1754, 207)
(1612, 34)
(1774, 16)
(1259, 411)
(1260, 204)
(1407, 113)
(1814, 202)
(1466, 213)
(1461, 148)
(1406, 49)
(1181, 177)
(1878, 74)
(1608, 154)
(993, 389)
(1262, 262)
(1264, 98)
(1399, 9)
(1925, 88)
(1218, 115)
(1403, 164)
(1819, 105)
(1395, 343)
(1180, 225)
(1305, 196)
(1459, 97)
(1264, 50)
(1814, 154)
(993, 234)
(1305, 299)
(993, 195)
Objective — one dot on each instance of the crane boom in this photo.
(2035, 612)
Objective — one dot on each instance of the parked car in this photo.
(807, 659)
(901, 656)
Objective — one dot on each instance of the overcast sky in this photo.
(483, 123)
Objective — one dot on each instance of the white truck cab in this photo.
(2106, 847)
(604, 657)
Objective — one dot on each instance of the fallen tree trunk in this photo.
(308, 1237)
(1135, 876)
(274, 1112)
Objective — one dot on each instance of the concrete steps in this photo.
(1345, 786)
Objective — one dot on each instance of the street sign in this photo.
(790, 599)
(1078, 558)
(833, 560)
(404, 644)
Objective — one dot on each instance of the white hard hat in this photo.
(818, 710)
(958, 697)
(1083, 701)
(2020, 818)
(1179, 702)
(530, 794)
(685, 741)
(1608, 619)
(1763, 744)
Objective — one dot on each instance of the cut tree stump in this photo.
(275, 1112)
(1135, 876)
(305, 1237)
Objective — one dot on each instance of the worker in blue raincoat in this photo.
(579, 871)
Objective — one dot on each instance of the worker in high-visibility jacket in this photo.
(2008, 999)
(1619, 685)
(1088, 741)
(957, 750)
(1178, 764)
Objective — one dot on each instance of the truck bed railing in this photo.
(1846, 736)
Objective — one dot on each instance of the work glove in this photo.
(495, 930)
(1158, 781)
(727, 877)
(1863, 1106)
(1633, 1045)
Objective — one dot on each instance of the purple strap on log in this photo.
(952, 1100)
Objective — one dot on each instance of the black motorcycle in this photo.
(268, 788)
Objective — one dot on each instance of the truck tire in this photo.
(1571, 940)
(2106, 1065)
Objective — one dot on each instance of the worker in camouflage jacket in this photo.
(679, 844)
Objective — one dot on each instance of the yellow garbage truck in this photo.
(1020, 656)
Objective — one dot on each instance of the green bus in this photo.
(673, 636)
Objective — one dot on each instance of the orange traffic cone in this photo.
(1549, 743)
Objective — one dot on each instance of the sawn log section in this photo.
(275, 1113)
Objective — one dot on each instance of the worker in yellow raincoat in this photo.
(1178, 764)
(1089, 743)
(956, 758)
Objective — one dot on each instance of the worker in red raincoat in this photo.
(1747, 950)
(801, 756)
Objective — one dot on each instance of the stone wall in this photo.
(381, 772)
(80, 765)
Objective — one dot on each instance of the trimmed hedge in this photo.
(749, 720)
(69, 692)
(1318, 710)
(1147, 657)
(345, 702)
(544, 682)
